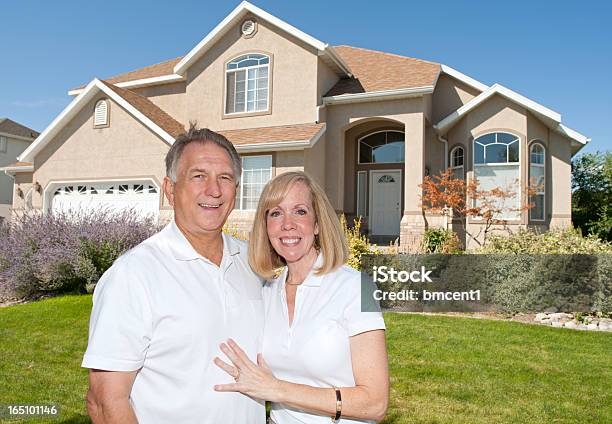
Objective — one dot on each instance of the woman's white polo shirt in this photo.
(315, 349)
(163, 309)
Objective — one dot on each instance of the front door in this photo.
(385, 198)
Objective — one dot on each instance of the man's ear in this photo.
(168, 187)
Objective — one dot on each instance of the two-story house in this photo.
(367, 125)
(14, 139)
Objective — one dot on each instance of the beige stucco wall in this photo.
(293, 85)
(124, 150)
(14, 147)
(314, 161)
(169, 97)
(449, 95)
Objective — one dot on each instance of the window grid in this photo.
(248, 75)
(537, 176)
(496, 173)
(457, 160)
(369, 150)
(252, 182)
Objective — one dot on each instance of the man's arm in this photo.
(108, 398)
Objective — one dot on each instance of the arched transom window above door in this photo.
(382, 147)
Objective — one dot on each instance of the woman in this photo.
(326, 358)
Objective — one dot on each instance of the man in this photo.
(161, 311)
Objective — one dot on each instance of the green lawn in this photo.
(444, 369)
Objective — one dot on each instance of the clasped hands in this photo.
(252, 379)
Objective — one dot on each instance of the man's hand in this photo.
(108, 398)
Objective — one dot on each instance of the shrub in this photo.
(568, 240)
(439, 240)
(57, 253)
(358, 243)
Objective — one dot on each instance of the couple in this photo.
(177, 329)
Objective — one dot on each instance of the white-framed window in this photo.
(537, 178)
(247, 84)
(256, 172)
(3, 144)
(101, 113)
(381, 147)
(457, 162)
(362, 177)
(496, 164)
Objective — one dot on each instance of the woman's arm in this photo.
(367, 400)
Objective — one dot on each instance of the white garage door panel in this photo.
(83, 197)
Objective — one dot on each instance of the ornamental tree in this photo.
(453, 197)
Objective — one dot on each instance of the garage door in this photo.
(83, 197)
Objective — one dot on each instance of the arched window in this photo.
(496, 165)
(247, 82)
(382, 147)
(456, 162)
(101, 113)
(537, 180)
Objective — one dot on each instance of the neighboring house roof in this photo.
(9, 127)
(141, 108)
(551, 118)
(326, 52)
(285, 137)
(375, 71)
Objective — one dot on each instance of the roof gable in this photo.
(326, 51)
(551, 118)
(151, 116)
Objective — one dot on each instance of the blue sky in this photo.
(558, 53)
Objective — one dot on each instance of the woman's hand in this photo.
(255, 380)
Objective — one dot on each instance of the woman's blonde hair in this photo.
(331, 240)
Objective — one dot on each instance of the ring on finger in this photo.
(237, 375)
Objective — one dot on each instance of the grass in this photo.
(443, 369)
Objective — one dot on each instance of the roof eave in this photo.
(139, 83)
(372, 96)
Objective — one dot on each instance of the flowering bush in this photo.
(65, 252)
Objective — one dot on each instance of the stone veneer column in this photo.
(412, 225)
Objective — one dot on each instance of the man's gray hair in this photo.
(203, 136)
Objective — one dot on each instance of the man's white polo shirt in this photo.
(163, 309)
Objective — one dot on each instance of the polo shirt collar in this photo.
(182, 249)
(311, 280)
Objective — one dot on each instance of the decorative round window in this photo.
(248, 28)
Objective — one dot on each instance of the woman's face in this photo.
(292, 225)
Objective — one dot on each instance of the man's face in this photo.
(205, 189)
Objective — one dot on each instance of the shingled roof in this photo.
(372, 71)
(9, 126)
(277, 134)
(150, 110)
(379, 71)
